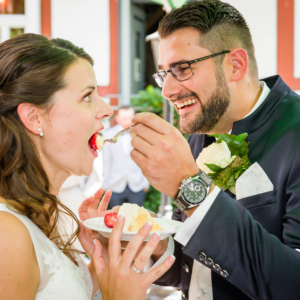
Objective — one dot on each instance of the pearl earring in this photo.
(40, 130)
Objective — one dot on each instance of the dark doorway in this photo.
(154, 13)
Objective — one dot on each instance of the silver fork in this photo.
(115, 138)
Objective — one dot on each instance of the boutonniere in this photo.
(225, 160)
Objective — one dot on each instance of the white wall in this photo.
(86, 24)
(297, 39)
(261, 16)
(33, 16)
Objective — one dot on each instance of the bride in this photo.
(49, 110)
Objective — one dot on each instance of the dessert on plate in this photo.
(136, 217)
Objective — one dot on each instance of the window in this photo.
(15, 7)
(16, 31)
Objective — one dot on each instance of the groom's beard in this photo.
(212, 111)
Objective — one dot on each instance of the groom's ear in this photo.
(238, 64)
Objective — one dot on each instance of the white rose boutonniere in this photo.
(225, 160)
(217, 154)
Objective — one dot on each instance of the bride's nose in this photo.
(104, 110)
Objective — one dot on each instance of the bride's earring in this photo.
(40, 130)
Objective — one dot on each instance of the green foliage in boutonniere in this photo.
(225, 160)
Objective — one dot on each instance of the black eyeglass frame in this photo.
(189, 63)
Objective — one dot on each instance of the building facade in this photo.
(113, 32)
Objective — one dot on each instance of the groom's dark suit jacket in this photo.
(253, 239)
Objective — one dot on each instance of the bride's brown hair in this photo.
(32, 69)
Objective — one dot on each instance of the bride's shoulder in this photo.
(15, 239)
(17, 257)
(13, 234)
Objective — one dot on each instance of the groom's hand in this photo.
(162, 153)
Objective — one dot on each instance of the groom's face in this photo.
(206, 93)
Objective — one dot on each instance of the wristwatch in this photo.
(192, 191)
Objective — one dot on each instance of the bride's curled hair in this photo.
(32, 68)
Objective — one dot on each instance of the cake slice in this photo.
(100, 141)
(136, 217)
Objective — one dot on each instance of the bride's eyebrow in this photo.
(90, 87)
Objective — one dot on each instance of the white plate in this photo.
(169, 227)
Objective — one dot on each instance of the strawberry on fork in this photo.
(96, 141)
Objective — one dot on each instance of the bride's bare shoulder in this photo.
(13, 234)
(17, 260)
(11, 223)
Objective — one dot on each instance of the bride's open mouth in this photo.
(96, 142)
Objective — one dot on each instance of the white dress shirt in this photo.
(201, 285)
(119, 170)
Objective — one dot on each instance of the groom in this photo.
(227, 249)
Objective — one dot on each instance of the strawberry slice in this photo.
(93, 141)
(110, 219)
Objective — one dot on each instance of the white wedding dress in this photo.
(60, 278)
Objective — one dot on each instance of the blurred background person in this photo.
(120, 173)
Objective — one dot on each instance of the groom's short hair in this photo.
(221, 27)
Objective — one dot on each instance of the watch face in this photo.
(194, 192)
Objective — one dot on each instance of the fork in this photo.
(115, 138)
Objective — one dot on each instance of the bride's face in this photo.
(75, 115)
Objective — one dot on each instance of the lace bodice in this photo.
(60, 278)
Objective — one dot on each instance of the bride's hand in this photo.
(117, 279)
(89, 209)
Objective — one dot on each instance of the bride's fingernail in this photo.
(147, 225)
(155, 236)
(94, 241)
(120, 218)
(171, 258)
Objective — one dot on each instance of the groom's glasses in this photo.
(182, 71)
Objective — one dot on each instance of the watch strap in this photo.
(180, 202)
(205, 178)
